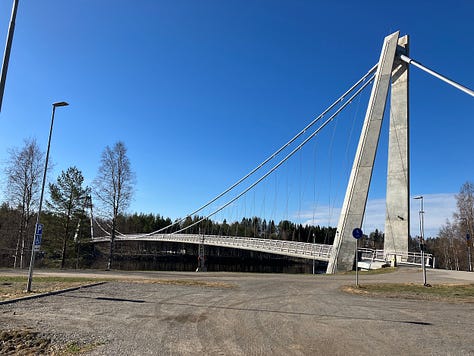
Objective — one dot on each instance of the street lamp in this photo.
(469, 258)
(38, 227)
(422, 237)
(468, 243)
(8, 47)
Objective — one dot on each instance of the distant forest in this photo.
(10, 244)
(67, 226)
(449, 248)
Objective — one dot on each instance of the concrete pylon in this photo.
(353, 209)
(397, 218)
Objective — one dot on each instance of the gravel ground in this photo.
(247, 314)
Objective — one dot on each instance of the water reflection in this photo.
(183, 257)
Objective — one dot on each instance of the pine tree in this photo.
(68, 198)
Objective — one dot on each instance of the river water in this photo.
(184, 257)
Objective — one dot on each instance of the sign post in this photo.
(357, 234)
(469, 258)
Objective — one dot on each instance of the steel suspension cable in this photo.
(296, 149)
(437, 75)
(100, 227)
(273, 155)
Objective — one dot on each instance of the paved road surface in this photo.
(261, 314)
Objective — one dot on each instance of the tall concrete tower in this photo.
(397, 218)
(353, 209)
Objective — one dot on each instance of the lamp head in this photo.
(418, 197)
(60, 103)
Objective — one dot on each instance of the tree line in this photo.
(66, 204)
(246, 227)
(69, 207)
(453, 246)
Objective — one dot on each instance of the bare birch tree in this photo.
(23, 174)
(114, 186)
(451, 243)
(465, 205)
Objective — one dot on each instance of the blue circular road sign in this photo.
(357, 233)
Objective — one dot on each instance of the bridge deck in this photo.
(306, 250)
(320, 252)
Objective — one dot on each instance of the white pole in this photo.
(32, 260)
(422, 238)
(437, 75)
(357, 262)
(8, 47)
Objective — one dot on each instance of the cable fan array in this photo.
(316, 125)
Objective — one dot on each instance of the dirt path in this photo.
(248, 314)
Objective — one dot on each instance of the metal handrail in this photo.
(282, 247)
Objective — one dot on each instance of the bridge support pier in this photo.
(201, 258)
(397, 218)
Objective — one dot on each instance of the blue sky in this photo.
(203, 91)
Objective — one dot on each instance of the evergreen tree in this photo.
(68, 198)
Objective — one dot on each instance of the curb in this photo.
(35, 296)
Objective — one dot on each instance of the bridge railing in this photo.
(281, 247)
(307, 250)
(407, 258)
(412, 258)
(290, 248)
(370, 254)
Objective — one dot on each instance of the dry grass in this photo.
(373, 271)
(186, 282)
(454, 293)
(28, 342)
(12, 287)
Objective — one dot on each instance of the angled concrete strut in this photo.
(355, 200)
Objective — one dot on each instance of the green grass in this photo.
(74, 348)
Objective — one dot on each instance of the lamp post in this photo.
(422, 237)
(469, 258)
(38, 227)
(468, 243)
(8, 47)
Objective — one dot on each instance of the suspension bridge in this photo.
(389, 75)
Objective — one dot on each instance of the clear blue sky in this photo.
(203, 91)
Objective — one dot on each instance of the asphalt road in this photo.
(251, 314)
